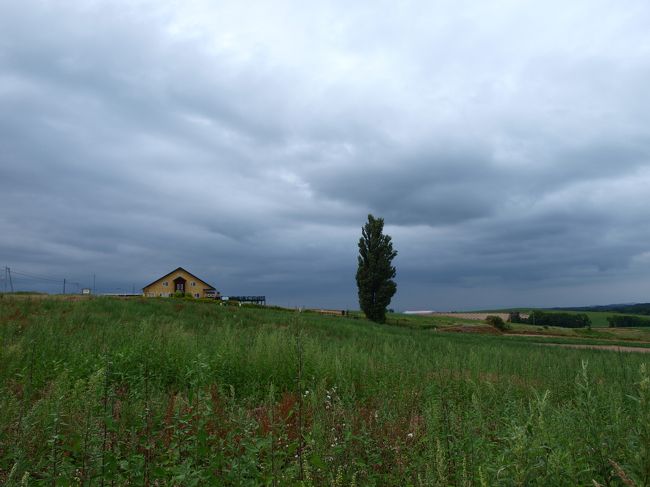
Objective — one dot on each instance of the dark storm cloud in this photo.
(507, 146)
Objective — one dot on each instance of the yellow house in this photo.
(182, 281)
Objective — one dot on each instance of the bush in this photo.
(497, 322)
(515, 317)
(616, 321)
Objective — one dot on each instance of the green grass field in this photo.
(171, 392)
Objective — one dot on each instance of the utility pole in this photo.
(93, 283)
(11, 283)
(63, 285)
(5, 279)
(533, 318)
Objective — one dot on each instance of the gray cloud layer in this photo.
(506, 144)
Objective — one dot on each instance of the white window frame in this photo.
(165, 283)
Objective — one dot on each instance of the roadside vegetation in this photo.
(172, 392)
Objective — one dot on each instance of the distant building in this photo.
(180, 280)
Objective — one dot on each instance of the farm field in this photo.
(598, 318)
(468, 322)
(172, 392)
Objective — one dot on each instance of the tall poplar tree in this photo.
(375, 272)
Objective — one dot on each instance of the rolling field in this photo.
(469, 322)
(598, 318)
(171, 392)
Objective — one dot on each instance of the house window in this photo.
(193, 284)
(196, 295)
(160, 295)
(165, 283)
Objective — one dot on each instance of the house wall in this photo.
(158, 288)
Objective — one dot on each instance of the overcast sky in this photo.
(506, 144)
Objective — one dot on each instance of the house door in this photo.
(179, 284)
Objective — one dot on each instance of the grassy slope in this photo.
(138, 391)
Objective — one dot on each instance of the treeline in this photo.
(564, 320)
(633, 309)
(618, 321)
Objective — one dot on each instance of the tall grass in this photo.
(158, 392)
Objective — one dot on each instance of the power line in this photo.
(33, 279)
(25, 276)
(32, 276)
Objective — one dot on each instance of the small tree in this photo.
(375, 272)
(497, 322)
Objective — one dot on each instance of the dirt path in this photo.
(570, 337)
(469, 316)
(540, 335)
(613, 348)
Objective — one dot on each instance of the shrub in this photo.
(515, 317)
(180, 295)
(497, 322)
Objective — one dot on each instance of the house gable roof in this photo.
(210, 286)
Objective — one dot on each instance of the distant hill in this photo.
(634, 309)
